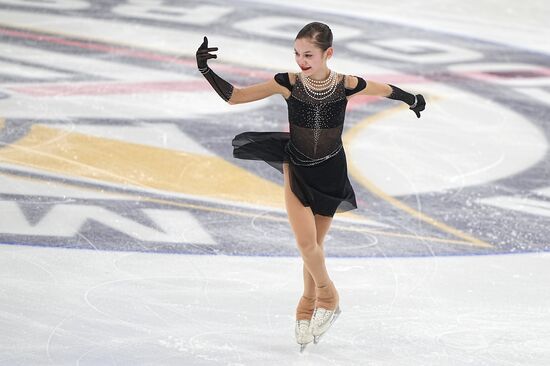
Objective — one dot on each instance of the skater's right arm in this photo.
(256, 92)
(227, 91)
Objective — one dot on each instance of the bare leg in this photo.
(305, 307)
(322, 225)
(302, 222)
(309, 284)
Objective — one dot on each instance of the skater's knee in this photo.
(306, 246)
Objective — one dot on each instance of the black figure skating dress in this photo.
(313, 148)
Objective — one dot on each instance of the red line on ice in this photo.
(106, 88)
(153, 86)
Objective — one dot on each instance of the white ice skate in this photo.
(322, 320)
(303, 333)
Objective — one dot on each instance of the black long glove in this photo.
(416, 102)
(222, 87)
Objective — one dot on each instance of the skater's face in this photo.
(311, 59)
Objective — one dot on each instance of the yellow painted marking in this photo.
(143, 166)
(125, 163)
(279, 194)
(282, 219)
(255, 216)
(355, 172)
(279, 199)
(138, 165)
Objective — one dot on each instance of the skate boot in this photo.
(304, 311)
(326, 311)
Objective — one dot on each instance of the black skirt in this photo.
(324, 187)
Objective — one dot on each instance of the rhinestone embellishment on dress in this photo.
(316, 112)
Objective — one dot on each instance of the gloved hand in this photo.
(416, 102)
(419, 105)
(222, 87)
(203, 54)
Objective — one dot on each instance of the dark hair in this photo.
(320, 33)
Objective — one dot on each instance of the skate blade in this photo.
(335, 316)
(303, 347)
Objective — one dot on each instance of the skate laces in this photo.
(303, 332)
(303, 326)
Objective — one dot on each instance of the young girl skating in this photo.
(310, 156)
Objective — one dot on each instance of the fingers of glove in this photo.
(202, 53)
(206, 50)
(204, 46)
(206, 56)
(204, 43)
(203, 57)
(420, 107)
(421, 101)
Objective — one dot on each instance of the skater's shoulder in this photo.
(286, 79)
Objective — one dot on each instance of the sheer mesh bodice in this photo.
(315, 125)
(318, 173)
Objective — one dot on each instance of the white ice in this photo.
(84, 307)
(109, 308)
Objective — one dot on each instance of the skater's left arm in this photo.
(416, 102)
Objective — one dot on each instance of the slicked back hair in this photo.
(319, 33)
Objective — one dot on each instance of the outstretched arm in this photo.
(376, 89)
(256, 92)
(416, 102)
(227, 91)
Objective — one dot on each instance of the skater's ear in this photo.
(329, 52)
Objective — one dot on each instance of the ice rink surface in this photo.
(130, 236)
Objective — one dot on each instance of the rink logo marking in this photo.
(139, 165)
(86, 90)
(349, 136)
(519, 204)
(66, 220)
(222, 67)
(141, 197)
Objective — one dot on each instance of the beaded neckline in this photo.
(320, 89)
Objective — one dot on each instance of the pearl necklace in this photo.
(320, 89)
(320, 83)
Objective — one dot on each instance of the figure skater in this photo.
(310, 156)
